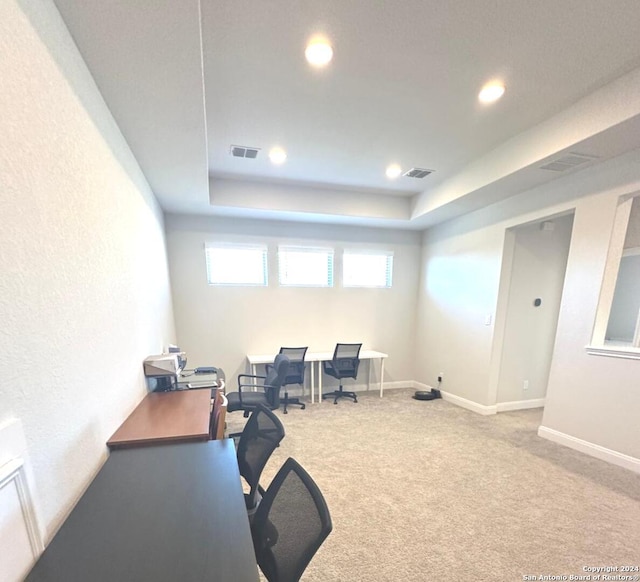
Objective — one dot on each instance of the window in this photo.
(623, 327)
(617, 327)
(236, 264)
(305, 266)
(367, 269)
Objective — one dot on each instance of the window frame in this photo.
(389, 255)
(263, 248)
(330, 255)
(599, 345)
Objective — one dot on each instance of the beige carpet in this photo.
(429, 491)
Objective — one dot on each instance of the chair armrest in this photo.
(250, 377)
(241, 386)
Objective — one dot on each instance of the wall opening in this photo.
(528, 306)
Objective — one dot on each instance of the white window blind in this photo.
(367, 269)
(229, 264)
(305, 266)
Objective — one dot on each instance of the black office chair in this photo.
(344, 364)
(261, 436)
(295, 374)
(290, 524)
(269, 385)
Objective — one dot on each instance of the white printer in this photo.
(163, 365)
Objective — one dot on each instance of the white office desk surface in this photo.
(319, 357)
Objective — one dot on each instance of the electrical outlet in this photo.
(526, 385)
(440, 375)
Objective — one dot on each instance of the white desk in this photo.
(319, 357)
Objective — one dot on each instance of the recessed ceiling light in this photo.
(318, 52)
(491, 92)
(393, 171)
(277, 155)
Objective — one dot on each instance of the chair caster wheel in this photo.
(335, 402)
(302, 407)
(286, 412)
(355, 401)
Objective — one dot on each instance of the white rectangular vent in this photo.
(567, 162)
(417, 173)
(244, 152)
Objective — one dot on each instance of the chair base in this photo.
(340, 393)
(287, 401)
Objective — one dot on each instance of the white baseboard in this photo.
(459, 401)
(392, 385)
(296, 391)
(590, 449)
(18, 514)
(520, 404)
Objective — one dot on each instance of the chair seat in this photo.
(249, 400)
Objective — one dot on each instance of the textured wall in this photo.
(84, 291)
(220, 325)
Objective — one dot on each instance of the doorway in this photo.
(530, 293)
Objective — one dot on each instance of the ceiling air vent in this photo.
(417, 173)
(244, 152)
(568, 162)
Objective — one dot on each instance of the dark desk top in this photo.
(166, 417)
(157, 514)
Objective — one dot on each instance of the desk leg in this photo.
(313, 383)
(381, 375)
(254, 372)
(370, 362)
(319, 381)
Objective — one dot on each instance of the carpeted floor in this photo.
(428, 491)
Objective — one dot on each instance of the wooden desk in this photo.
(319, 357)
(157, 514)
(166, 417)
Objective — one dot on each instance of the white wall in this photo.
(592, 398)
(84, 291)
(220, 325)
(588, 397)
(537, 271)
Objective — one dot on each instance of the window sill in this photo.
(614, 352)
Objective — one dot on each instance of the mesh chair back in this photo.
(260, 437)
(276, 376)
(290, 525)
(346, 359)
(296, 364)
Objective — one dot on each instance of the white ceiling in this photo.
(185, 80)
